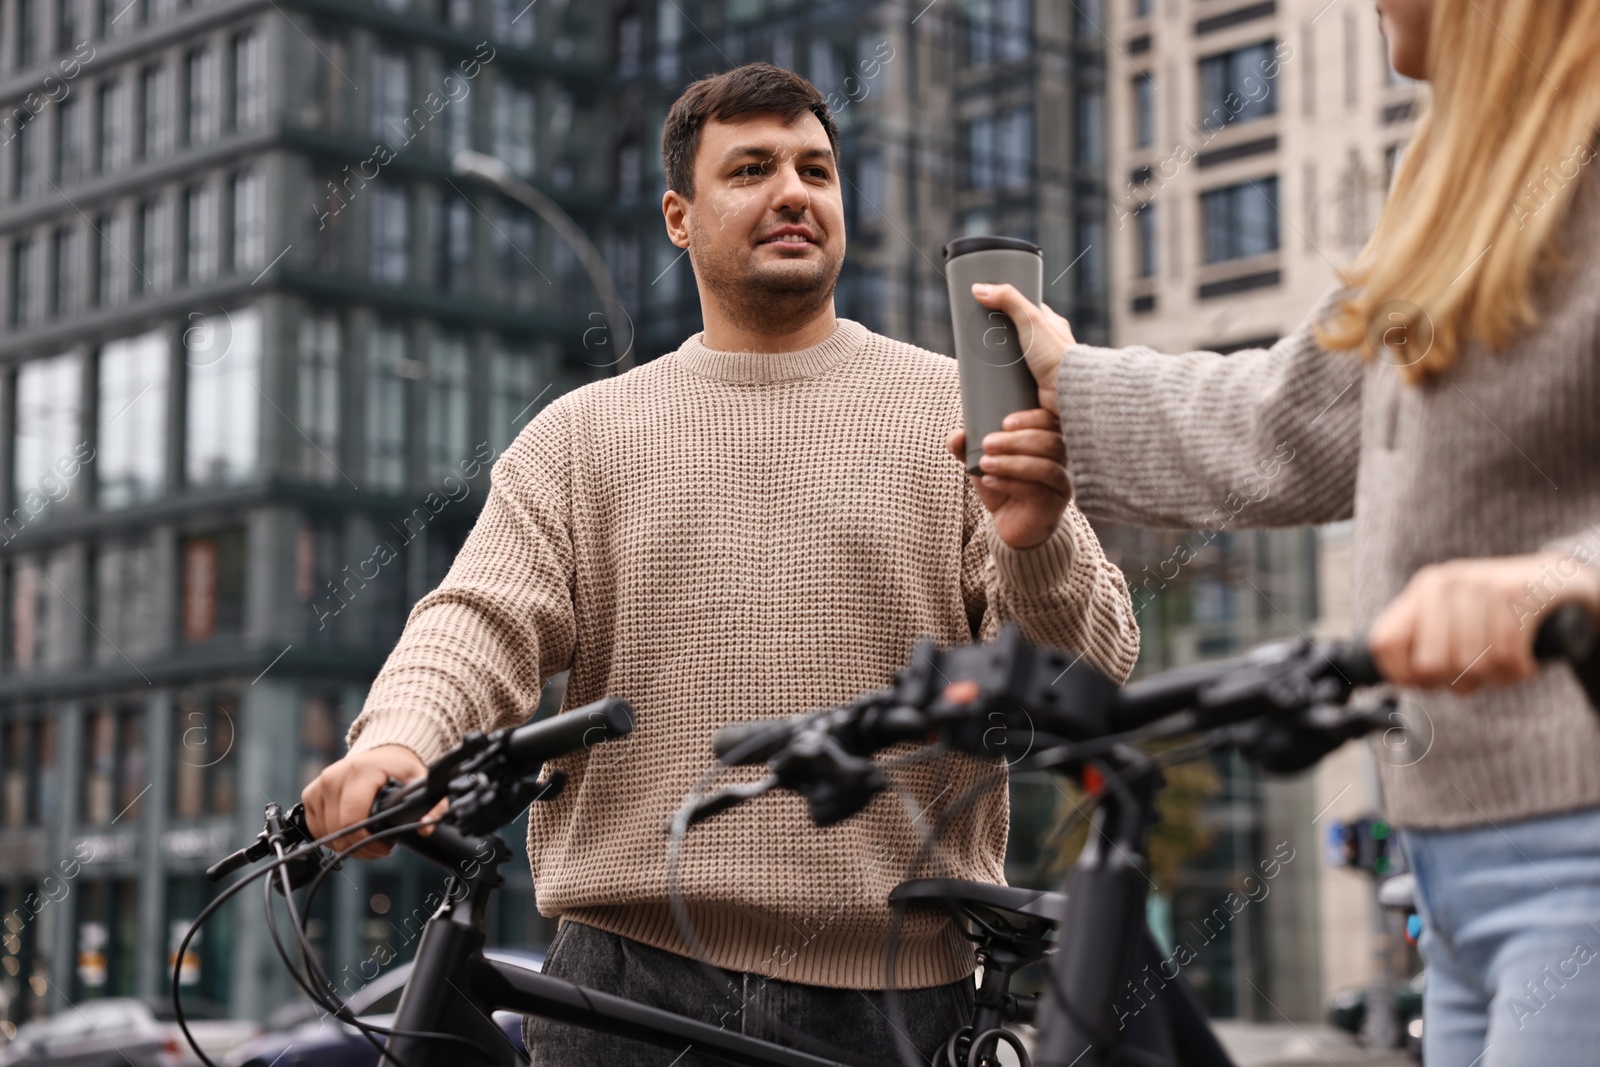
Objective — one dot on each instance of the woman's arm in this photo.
(1258, 438)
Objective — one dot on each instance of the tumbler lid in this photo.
(962, 245)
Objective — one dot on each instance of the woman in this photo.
(1448, 398)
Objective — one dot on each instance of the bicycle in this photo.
(1282, 706)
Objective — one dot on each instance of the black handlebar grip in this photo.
(729, 739)
(1567, 634)
(571, 731)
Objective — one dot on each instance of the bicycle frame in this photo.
(454, 989)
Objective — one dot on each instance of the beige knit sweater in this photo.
(717, 537)
(1499, 457)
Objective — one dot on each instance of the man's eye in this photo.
(751, 169)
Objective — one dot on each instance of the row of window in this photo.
(216, 225)
(221, 364)
(1236, 221)
(136, 115)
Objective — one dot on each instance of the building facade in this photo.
(259, 349)
(1249, 148)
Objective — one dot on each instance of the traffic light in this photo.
(1363, 844)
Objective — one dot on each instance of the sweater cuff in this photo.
(415, 730)
(1038, 569)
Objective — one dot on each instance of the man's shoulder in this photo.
(906, 360)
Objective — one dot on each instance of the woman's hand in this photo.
(1044, 335)
(1471, 622)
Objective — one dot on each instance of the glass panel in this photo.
(205, 762)
(386, 409)
(512, 386)
(107, 915)
(133, 406)
(447, 405)
(224, 360)
(318, 402)
(49, 445)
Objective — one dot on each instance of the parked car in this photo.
(123, 1031)
(301, 1034)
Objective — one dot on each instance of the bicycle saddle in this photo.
(1019, 907)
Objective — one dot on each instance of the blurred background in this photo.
(259, 341)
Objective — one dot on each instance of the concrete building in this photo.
(1249, 146)
(258, 347)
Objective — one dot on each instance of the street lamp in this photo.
(495, 172)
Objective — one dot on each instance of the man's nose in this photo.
(789, 192)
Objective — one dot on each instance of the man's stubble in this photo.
(763, 300)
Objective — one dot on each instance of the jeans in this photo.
(849, 1025)
(1511, 937)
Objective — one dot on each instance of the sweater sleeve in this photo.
(1061, 592)
(477, 650)
(1178, 440)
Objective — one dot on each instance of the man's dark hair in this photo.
(746, 90)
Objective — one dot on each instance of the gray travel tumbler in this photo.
(995, 380)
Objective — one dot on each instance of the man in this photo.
(757, 524)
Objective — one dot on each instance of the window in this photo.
(27, 31)
(1239, 85)
(1141, 8)
(203, 112)
(204, 768)
(213, 585)
(30, 157)
(669, 34)
(459, 14)
(114, 763)
(205, 971)
(249, 81)
(318, 404)
(68, 34)
(391, 233)
(392, 89)
(515, 251)
(158, 124)
(131, 459)
(1144, 111)
(200, 233)
(448, 401)
(629, 44)
(125, 600)
(1000, 150)
(513, 379)
(155, 245)
(513, 127)
(64, 287)
(29, 793)
(513, 21)
(106, 914)
(49, 407)
(1145, 220)
(1090, 280)
(224, 401)
(458, 124)
(1089, 127)
(69, 141)
(249, 221)
(1240, 220)
(386, 408)
(998, 31)
(110, 258)
(24, 279)
(455, 244)
(113, 137)
(630, 172)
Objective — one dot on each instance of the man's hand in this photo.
(343, 794)
(1045, 336)
(1471, 622)
(1024, 484)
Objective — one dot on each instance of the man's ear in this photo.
(675, 211)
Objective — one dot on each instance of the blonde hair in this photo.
(1479, 198)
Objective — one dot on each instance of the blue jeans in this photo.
(1511, 937)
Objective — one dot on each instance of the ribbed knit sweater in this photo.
(724, 536)
(1499, 457)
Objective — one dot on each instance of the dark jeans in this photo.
(849, 1025)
